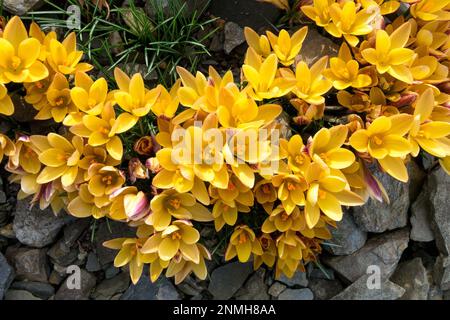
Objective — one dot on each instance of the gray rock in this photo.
(6, 275)
(359, 290)
(298, 279)
(420, 219)
(35, 227)
(296, 294)
(92, 264)
(109, 287)
(234, 36)
(61, 254)
(316, 46)
(412, 276)
(21, 7)
(382, 250)
(324, 289)
(249, 13)
(111, 272)
(38, 289)
(378, 217)
(227, 279)
(115, 230)
(276, 289)
(417, 177)
(441, 273)
(347, 237)
(162, 289)
(438, 187)
(73, 231)
(435, 293)
(190, 287)
(29, 264)
(13, 294)
(87, 283)
(255, 287)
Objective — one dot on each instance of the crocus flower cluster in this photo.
(214, 150)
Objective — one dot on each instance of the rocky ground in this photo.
(408, 240)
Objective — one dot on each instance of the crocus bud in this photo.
(144, 146)
(153, 165)
(136, 206)
(137, 170)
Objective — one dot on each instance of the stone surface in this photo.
(255, 287)
(249, 13)
(276, 289)
(234, 36)
(61, 254)
(359, 290)
(6, 275)
(412, 276)
(227, 279)
(441, 273)
(92, 264)
(378, 217)
(20, 7)
(87, 283)
(296, 294)
(438, 188)
(420, 219)
(35, 227)
(109, 287)
(38, 289)
(316, 46)
(325, 289)
(13, 294)
(347, 238)
(162, 289)
(29, 264)
(382, 250)
(298, 279)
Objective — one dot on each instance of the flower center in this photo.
(242, 238)
(322, 194)
(39, 85)
(176, 236)
(107, 180)
(104, 130)
(266, 189)
(175, 203)
(59, 102)
(91, 103)
(291, 186)
(15, 62)
(284, 216)
(377, 140)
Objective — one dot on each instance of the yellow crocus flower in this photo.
(180, 237)
(344, 71)
(310, 83)
(319, 11)
(260, 44)
(261, 76)
(432, 136)
(19, 55)
(89, 96)
(287, 47)
(347, 22)
(59, 102)
(60, 159)
(6, 104)
(327, 145)
(383, 140)
(132, 95)
(242, 244)
(389, 54)
(430, 10)
(64, 57)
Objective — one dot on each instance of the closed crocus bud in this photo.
(144, 146)
(137, 170)
(153, 165)
(444, 87)
(406, 99)
(136, 206)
